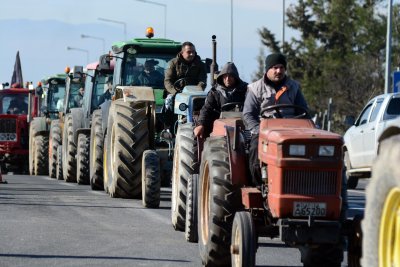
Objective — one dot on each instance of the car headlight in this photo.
(297, 150)
(326, 151)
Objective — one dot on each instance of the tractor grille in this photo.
(309, 182)
(8, 125)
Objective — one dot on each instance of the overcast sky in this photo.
(42, 29)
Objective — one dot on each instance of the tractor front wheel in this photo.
(151, 182)
(191, 209)
(243, 244)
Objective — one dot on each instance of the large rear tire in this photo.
(191, 210)
(69, 151)
(32, 156)
(54, 142)
(243, 240)
(31, 164)
(82, 166)
(41, 149)
(381, 237)
(151, 183)
(217, 203)
(127, 138)
(96, 152)
(185, 164)
(59, 169)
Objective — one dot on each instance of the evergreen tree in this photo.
(261, 66)
(340, 53)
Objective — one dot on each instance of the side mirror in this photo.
(105, 62)
(349, 120)
(78, 72)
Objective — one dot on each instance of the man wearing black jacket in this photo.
(229, 88)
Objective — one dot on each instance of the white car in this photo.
(379, 118)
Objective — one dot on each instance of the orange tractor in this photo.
(299, 200)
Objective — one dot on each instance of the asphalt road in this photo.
(45, 222)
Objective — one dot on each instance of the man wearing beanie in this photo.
(274, 88)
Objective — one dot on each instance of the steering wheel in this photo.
(231, 106)
(303, 114)
(178, 84)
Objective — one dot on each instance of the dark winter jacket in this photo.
(262, 94)
(220, 95)
(195, 73)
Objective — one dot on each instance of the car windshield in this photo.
(14, 104)
(145, 69)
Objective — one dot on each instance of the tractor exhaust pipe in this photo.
(214, 65)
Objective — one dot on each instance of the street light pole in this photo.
(283, 25)
(116, 21)
(165, 13)
(231, 30)
(97, 38)
(388, 47)
(82, 50)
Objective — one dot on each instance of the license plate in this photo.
(315, 209)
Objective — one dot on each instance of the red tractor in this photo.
(14, 128)
(299, 200)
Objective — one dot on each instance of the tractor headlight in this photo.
(326, 151)
(183, 106)
(297, 150)
(13, 137)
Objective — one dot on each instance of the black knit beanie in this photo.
(274, 59)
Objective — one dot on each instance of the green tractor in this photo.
(43, 145)
(137, 141)
(69, 123)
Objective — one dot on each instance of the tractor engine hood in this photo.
(297, 141)
(284, 130)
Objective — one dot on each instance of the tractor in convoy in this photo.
(66, 125)
(43, 145)
(136, 139)
(187, 152)
(79, 119)
(299, 200)
(14, 126)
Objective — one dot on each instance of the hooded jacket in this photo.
(220, 95)
(195, 73)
